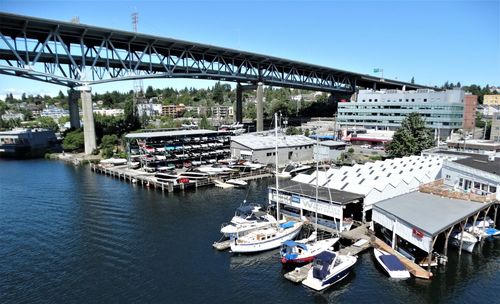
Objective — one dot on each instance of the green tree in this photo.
(412, 80)
(46, 123)
(218, 93)
(293, 131)
(307, 132)
(131, 118)
(204, 124)
(480, 123)
(150, 92)
(73, 140)
(108, 144)
(411, 138)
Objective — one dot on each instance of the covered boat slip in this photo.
(419, 218)
(300, 200)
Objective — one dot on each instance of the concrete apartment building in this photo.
(443, 111)
(173, 110)
(222, 112)
(491, 100)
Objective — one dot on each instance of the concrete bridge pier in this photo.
(88, 120)
(74, 113)
(260, 110)
(239, 103)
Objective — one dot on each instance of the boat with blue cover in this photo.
(304, 251)
(328, 268)
(391, 264)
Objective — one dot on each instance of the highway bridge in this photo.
(80, 56)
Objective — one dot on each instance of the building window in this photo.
(425, 99)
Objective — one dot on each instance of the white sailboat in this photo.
(269, 237)
(304, 251)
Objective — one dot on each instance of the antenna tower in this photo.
(138, 85)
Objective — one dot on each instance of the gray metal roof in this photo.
(430, 213)
(324, 194)
(263, 142)
(170, 133)
(481, 162)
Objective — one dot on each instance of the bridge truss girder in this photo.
(71, 61)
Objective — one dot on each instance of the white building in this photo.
(149, 109)
(11, 116)
(109, 112)
(54, 112)
(261, 147)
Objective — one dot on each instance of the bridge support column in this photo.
(260, 110)
(74, 113)
(88, 120)
(239, 103)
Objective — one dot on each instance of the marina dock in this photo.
(146, 179)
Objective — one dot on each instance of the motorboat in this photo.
(482, 231)
(214, 169)
(391, 264)
(237, 182)
(304, 251)
(246, 218)
(468, 240)
(293, 169)
(328, 268)
(267, 238)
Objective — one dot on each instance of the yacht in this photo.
(247, 218)
(328, 268)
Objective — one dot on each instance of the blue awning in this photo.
(293, 243)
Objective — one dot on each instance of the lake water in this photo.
(68, 235)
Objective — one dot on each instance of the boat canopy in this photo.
(322, 263)
(392, 262)
(291, 243)
(245, 209)
(287, 225)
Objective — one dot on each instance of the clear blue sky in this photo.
(433, 41)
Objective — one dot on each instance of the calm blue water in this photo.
(68, 235)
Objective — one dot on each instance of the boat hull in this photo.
(308, 256)
(468, 242)
(239, 247)
(333, 278)
(398, 274)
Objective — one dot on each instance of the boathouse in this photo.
(379, 180)
(421, 218)
(299, 200)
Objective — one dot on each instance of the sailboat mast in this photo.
(276, 160)
(317, 174)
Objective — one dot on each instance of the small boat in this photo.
(237, 182)
(328, 268)
(293, 169)
(469, 240)
(267, 238)
(304, 251)
(391, 264)
(222, 184)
